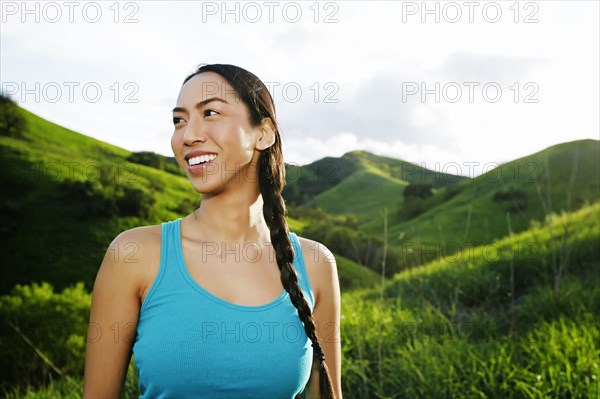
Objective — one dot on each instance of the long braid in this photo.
(271, 181)
(271, 175)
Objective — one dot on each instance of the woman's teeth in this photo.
(201, 159)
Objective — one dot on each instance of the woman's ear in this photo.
(266, 134)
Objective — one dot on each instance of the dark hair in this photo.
(271, 177)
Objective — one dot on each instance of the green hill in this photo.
(402, 170)
(562, 177)
(355, 182)
(460, 212)
(303, 183)
(356, 194)
(68, 195)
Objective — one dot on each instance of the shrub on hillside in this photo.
(452, 191)
(40, 322)
(170, 165)
(303, 183)
(419, 190)
(12, 122)
(91, 195)
(147, 158)
(115, 200)
(354, 245)
(134, 201)
(514, 197)
(340, 233)
(415, 200)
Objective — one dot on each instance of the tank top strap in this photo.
(172, 237)
(166, 278)
(171, 244)
(300, 267)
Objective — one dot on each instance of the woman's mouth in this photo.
(200, 163)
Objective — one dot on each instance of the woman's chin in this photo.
(206, 188)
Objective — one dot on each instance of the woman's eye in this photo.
(176, 120)
(210, 112)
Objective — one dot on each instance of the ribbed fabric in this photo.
(193, 344)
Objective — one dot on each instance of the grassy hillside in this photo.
(67, 195)
(562, 177)
(517, 318)
(57, 205)
(324, 181)
(356, 194)
(303, 183)
(461, 212)
(402, 170)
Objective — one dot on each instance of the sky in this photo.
(458, 87)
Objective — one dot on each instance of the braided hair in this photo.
(271, 174)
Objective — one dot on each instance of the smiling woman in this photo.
(225, 302)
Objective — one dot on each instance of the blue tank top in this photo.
(193, 344)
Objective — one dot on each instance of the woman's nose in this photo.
(194, 131)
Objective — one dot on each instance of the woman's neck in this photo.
(229, 221)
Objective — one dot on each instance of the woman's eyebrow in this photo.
(200, 104)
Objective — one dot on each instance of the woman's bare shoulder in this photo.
(320, 265)
(140, 242)
(316, 253)
(138, 249)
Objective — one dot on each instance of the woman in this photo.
(195, 305)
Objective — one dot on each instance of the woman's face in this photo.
(210, 116)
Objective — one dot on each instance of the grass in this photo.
(458, 328)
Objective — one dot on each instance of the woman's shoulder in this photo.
(146, 233)
(316, 252)
(138, 249)
(320, 265)
(141, 241)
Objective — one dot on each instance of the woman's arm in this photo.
(113, 318)
(327, 317)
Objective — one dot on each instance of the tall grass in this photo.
(487, 323)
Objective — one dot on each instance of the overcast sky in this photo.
(443, 85)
